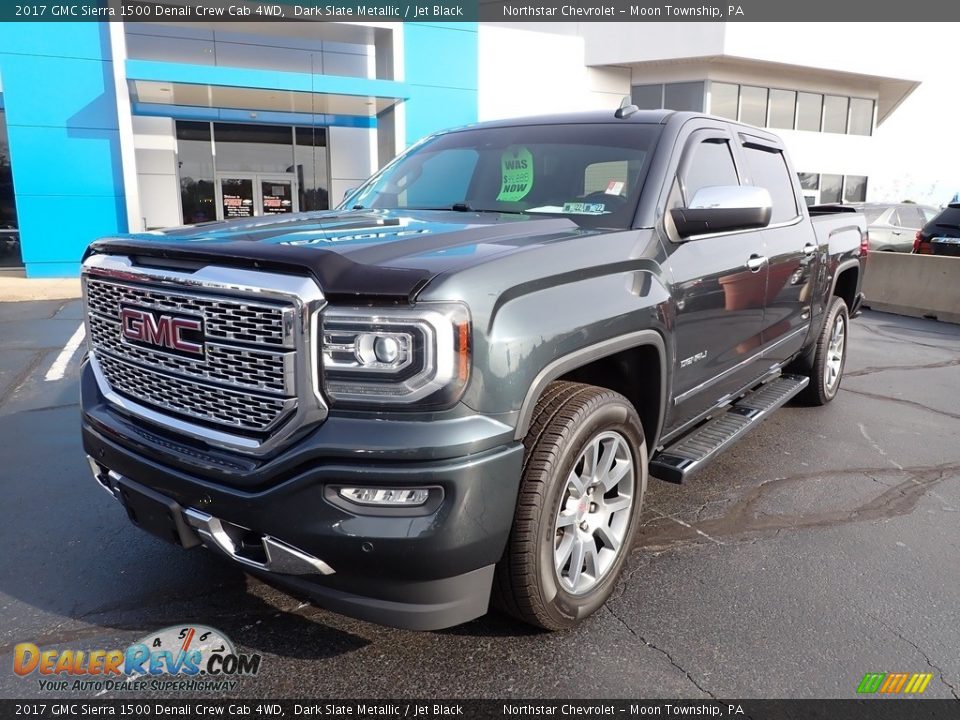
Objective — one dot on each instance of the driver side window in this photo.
(711, 165)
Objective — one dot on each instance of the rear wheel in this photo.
(825, 366)
(584, 476)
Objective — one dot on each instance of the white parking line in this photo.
(59, 367)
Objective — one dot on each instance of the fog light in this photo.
(386, 497)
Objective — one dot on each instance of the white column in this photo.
(128, 161)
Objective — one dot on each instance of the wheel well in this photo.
(635, 373)
(846, 285)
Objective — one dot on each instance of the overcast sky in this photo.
(921, 139)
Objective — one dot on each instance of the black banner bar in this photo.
(854, 11)
(874, 709)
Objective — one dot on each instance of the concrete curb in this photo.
(18, 289)
(926, 286)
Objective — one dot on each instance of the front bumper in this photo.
(418, 571)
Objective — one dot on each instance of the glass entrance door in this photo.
(244, 195)
(277, 196)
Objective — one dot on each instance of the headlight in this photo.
(396, 355)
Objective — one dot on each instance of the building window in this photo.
(783, 107)
(753, 105)
(9, 233)
(310, 160)
(833, 188)
(809, 111)
(724, 99)
(647, 97)
(195, 163)
(765, 107)
(300, 53)
(683, 96)
(233, 170)
(672, 96)
(253, 148)
(861, 116)
(809, 181)
(855, 188)
(835, 114)
(830, 188)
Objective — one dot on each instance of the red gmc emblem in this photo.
(181, 334)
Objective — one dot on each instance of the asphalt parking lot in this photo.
(822, 547)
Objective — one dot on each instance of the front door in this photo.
(244, 195)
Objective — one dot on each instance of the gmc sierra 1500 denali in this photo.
(454, 386)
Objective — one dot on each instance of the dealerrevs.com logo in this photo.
(186, 658)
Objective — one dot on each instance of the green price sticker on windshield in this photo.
(516, 175)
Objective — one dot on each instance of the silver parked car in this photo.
(892, 227)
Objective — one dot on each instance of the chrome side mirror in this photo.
(724, 208)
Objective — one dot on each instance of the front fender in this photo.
(544, 333)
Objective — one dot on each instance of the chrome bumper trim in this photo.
(281, 557)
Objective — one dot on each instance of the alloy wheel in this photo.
(835, 350)
(594, 512)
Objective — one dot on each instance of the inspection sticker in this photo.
(516, 175)
(584, 208)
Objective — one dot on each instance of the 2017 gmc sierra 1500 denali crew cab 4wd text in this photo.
(452, 389)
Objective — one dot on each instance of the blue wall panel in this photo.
(440, 69)
(62, 226)
(89, 173)
(64, 144)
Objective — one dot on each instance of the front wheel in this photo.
(584, 477)
(825, 367)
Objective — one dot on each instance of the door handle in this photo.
(897, 232)
(755, 262)
(809, 249)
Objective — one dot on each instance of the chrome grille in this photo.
(225, 318)
(243, 411)
(242, 367)
(246, 378)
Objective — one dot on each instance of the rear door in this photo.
(789, 246)
(718, 298)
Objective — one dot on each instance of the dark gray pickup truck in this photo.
(453, 387)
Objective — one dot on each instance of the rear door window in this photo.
(910, 218)
(768, 169)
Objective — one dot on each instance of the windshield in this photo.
(591, 173)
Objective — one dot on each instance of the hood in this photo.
(375, 254)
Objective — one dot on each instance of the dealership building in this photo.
(117, 127)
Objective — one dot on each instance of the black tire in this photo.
(814, 365)
(568, 418)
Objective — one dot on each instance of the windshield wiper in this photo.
(953, 226)
(465, 207)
